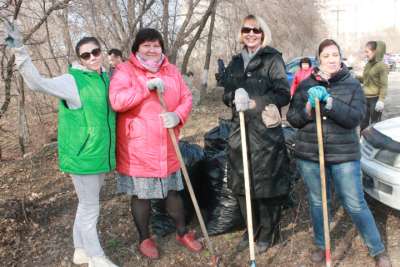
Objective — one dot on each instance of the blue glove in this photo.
(317, 92)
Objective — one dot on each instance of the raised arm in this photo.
(63, 87)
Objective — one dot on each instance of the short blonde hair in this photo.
(266, 38)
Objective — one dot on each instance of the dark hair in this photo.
(115, 52)
(145, 35)
(372, 45)
(305, 60)
(86, 40)
(326, 43)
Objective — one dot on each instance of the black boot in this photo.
(244, 241)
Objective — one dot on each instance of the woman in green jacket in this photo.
(375, 81)
(86, 134)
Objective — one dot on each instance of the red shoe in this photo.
(189, 241)
(149, 249)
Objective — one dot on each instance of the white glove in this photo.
(156, 83)
(14, 37)
(379, 106)
(242, 100)
(170, 119)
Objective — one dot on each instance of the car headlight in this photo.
(388, 157)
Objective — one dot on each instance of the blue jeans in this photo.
(348, 187)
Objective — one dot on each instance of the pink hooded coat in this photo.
(300, 75)
(144, 148)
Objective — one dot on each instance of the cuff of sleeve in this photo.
(328, 105)
(181, 120)
(21, 55)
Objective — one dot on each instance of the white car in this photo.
(380, 161)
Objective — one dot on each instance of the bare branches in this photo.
(60, 5)
(197, 35)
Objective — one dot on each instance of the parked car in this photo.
(396, 59)
(380, 161)
(389, 60)
(293, 66)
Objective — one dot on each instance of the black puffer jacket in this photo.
(265, 81)
(341, 141)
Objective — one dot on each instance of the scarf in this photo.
(150, 65)
(247, 56)
(320, 75)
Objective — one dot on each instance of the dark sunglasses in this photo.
(248, 30)
(86, 56)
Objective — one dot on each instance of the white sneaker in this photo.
(80, 256)
(100, 261)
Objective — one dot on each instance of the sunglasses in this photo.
(248, 30)
(86, 56)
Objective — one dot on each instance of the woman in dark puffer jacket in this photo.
(342, 107)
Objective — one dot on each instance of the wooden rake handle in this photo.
(323, 183)
(247, 189)
(187, 180)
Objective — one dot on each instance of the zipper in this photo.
(108, 122)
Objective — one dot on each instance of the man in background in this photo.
(114, 58)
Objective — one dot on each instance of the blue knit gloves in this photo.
(319, 92)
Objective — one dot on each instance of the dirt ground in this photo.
(38, 203)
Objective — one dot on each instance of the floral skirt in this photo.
(149, 188)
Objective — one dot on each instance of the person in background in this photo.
(147, 164)
(188, 78)
(342, 109)
(255, 83)
(86, 134)
(304, 71)
(375, 82)
(114, 58)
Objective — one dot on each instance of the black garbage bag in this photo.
(216, 140)
(194, 157)
(161, 223)
(223, 209)
(290, 137)
(223, 213)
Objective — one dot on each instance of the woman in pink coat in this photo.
(303, 73)
(147, 165)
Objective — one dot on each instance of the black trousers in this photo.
(371, 116)
(266, 217)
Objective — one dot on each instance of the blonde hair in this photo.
(266, 35)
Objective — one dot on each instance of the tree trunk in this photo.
(206, 68)
(23, 132)
(7, 86)
(192, 44)
(67, 36)
(165, 24)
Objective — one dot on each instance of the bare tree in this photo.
(196, 37)
(204, 80)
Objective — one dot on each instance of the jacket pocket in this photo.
(83, 145)
(136, 129)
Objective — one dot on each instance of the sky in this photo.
(361, 16)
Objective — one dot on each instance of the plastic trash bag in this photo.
(160, 222)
